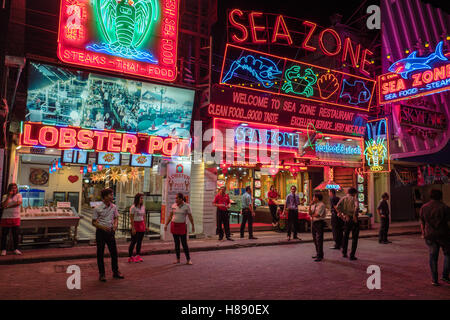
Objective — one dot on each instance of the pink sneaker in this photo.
(131, 259)
(138, 259)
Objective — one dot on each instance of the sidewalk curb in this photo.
(124, 253)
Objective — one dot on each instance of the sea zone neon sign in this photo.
(267, 137)
(38, 134)
(259, 71)
(415, 76)
(137, 37)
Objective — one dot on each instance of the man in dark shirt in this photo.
(383, 211)
(435, 220)
(337, 224)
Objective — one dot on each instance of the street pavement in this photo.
(278, 272)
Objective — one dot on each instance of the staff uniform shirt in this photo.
(180, 212)
(246, 200)
(138, 213)
(222, 199)
(383, 206)
(272, 194)
(318, 208)
(348, 205)
(292, 202)
(105, 215)
(12, 213)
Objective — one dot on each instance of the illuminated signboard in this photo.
(38, 134)
(260, 71)
(108, 158)
(136, 37)
(62, 96)
(376, 152)
(141, 160)
(415, 76)
(264, 29)
(415, 116)
(267, 137)
(264, 108)
(75, 156)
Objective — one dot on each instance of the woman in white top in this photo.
(317, 212)
(11, 203)
(137, 219)
(180, 209)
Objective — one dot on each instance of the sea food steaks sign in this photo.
(136, 37)
(236, 104)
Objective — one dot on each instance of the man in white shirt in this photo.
(105, 219)
(317, 212)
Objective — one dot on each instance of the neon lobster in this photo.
(375, 153)
(263, 69)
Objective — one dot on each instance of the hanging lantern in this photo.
(81, 170)
(85, 170)
(100, 167)
(54, 167)
(59, 164)
(94, 167)
(50, 169)
(89, 168)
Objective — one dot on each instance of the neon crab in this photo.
(375, 153)
(308, 80)
(125, 25)
(263, 69)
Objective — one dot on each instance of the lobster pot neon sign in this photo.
(137, 37)
(376, 152)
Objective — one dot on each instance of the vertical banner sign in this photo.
(178, 181)
(137, 37)
(376, 149)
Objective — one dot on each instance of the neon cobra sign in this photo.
(263, 69)
(124, 25)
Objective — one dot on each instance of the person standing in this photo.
(317, 212)
(435, 220)
(178, 228)
(348, 208)
(383, 211)
(247, 213)
(137, 219)
(272, 195)
(337, 223)
(292, 203)
(223, 203)
(106, 220)
(10, 221)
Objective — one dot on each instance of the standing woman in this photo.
(180, 209)
(11, 203)
(273, 197)
(137, 218)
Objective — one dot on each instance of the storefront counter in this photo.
(47, 224)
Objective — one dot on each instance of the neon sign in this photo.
(412, 63)
(333, 186)
(137, 37)
(267, 137)
(264, 70)
(376, 150)
(38, 134)
(259, 71)
(414, 77)
(338, 148)
(257, 28)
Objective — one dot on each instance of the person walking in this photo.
(137, 219)
(106, 220)
(383, 211)
(10, 220)
(317, 212)
(337, 223)
(348, 209)
(180, 209)
(435, 225)
(248, 213)
(273, 196)
(223, 203)
(292, 203)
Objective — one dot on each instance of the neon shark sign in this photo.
(412, 63)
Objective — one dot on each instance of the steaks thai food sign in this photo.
(422, 118)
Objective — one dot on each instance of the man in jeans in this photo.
(317, 212)
(383, 211)
(105, 219)
(292, 203)
(223, 203)
(247, 213)
(348, 210)
(336, 223)
(435, 220)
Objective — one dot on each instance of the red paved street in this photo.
(274, 272)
